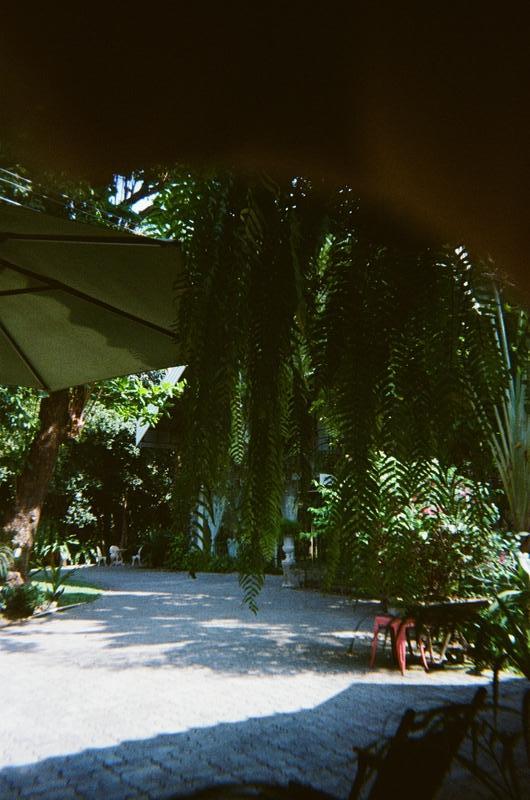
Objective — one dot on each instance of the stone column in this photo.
(290, 511)
(288, 564)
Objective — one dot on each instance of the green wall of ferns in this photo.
(303, 308)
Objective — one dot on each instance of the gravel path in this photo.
(166, 684)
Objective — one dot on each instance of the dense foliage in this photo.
(303, 311)
(428, 532)
(18, 420)
(105, 490)
(20, 601)
(502, 635)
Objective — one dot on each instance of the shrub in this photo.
(422, 531)
(52, 545)
(157, 543)
(56, 578)
(177, 551)
(21, 601)
(502, 634)
(221, 564)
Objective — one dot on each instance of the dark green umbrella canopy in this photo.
(79, 303)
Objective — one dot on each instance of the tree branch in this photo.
(147, 188)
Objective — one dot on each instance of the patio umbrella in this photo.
(79, 303)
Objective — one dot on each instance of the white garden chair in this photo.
(137, 557)
(100, 558)
(115, 555)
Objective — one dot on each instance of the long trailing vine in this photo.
(305, 312)
(301, 312)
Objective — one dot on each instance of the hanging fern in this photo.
(6, 560)
(238, 434)
(302, 312)
(251, 583)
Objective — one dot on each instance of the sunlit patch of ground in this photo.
(175, 678)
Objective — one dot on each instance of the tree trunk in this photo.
(60, 415)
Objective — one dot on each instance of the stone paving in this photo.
(166, 684)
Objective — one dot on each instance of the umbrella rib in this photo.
(24, 358)
(54, 284)
(27, 290)
(135, 241)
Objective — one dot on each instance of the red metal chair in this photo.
(398, 629)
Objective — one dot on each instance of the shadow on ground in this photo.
(188, 689)
(312, 746)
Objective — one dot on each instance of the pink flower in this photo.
(430, 511)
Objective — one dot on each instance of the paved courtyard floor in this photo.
(166, 684)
